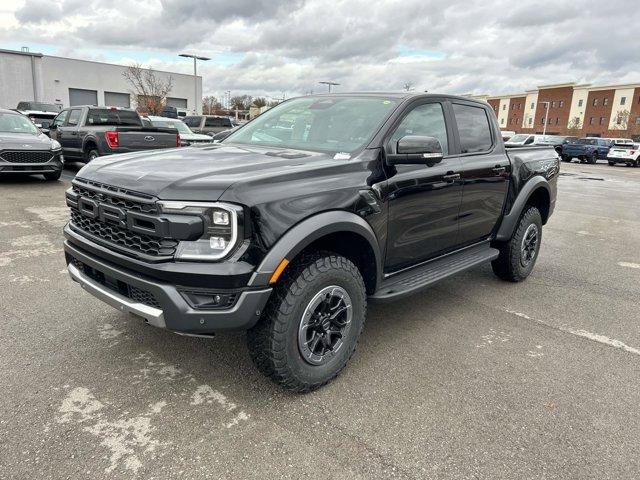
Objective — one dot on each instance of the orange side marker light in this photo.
(276, 275)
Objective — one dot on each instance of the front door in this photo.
(485, 169)
(68, 134)
(423, 200)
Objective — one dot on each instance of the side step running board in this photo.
(417, 278)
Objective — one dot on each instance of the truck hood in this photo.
(24, 141)
(197, 173)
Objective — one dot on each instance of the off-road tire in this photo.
(52, 176)
(273, 341)
(508, 266)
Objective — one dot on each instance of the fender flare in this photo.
(90, 139)
(309, 230)
(510, 220)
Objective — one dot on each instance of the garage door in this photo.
(177, 102)
(116, 99)
(79, 96)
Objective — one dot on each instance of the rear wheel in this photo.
(566, 158)
(311, 325)
(612, 164)
(92, 154)
(518, 255)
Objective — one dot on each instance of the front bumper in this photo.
(54, 165)
(161, 304)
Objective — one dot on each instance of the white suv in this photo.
(624, 153)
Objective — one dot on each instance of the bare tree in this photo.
(622, 120)
(241, 102)
(575, 124)
(210, 105)
(259, 102)
(149, 90)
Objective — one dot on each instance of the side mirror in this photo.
(416, 150)
(53, 126)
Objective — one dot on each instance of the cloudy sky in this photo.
(267, 47)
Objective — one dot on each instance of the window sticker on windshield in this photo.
(341, 156)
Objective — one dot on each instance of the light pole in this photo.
(329, 84)
(546, 119)
(195, 76)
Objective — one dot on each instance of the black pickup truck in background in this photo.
(295, 221)
(87, 132)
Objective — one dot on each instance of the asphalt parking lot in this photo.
(475, 378)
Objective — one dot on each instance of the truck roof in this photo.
(398, 95)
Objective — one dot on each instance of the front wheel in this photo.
(311, 325)
(593, 159)
(518, 255)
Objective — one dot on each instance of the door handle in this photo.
(451, 177)
(499, 169)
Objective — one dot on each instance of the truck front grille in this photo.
(26, 157)
(103, 193)
(123, 238)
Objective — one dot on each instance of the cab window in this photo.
(74, 117)
(424, 120)
(60, 118)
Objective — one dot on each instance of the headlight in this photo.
(221, 229)
(55, 145)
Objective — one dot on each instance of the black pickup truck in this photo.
(288, 232)
(88, 132)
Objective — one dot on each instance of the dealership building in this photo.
(571, 109)
(30, 76)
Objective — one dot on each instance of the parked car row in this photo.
(592, 149)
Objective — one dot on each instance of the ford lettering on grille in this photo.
(106, 213)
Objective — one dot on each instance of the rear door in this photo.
(423, 200)
(485, 170)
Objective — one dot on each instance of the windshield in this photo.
(518, 138)
(318, 124)
(13, 123)
(177, 124)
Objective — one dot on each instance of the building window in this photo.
(553, 104)
(542, 120)
(637, 120)
(602, 120)
(605, 101)
(595, 102)
(623, 100)
(591, 120)
(531, 120)
(580, 102)
(502, 121)
(557, 121)
(504, 107)
(533, 105)
(561, 103)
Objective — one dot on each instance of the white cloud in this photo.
(270, 46)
